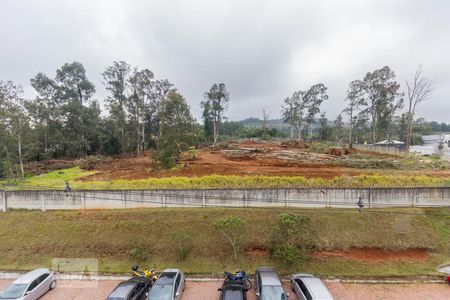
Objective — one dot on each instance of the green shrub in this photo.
(182, 240)
(231, 228)
(292, 238)
(286, 253)
(193, 153)
(140, 252)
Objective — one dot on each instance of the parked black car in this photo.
(233, 290)
(135, 288)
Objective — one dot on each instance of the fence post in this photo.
(204, 199)
(369, 196)
(83, 201)
(5, 201)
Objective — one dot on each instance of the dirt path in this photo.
(79, 290)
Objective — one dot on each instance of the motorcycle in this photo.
(239, 276)
(145, 273)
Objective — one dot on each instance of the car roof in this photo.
(265, 269)
(32, 275)
(302, 275)
(233, 284)
(123, 289)
(269, 277)
(317, 288)
(172, 270)
(233, 294)
(167, 277)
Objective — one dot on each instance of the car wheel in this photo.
(53, 285)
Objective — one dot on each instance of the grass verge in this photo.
(31, 239)
(56, 180)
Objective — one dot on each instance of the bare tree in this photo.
(265, 120)
(419, 90)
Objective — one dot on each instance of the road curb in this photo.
(423, 280)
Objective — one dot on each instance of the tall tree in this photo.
(13, 126)
(419, 90)
(382, 97)
(45, 110)
(338, 128)
(217, 98)
(177, 128)
(142, 85)
(160, 90)
(116, 82)
(324, 133)
(208, 121)
(293, 111)
(313, 98)
(75, 90)
(354, 102)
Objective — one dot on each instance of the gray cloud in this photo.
(262, 50)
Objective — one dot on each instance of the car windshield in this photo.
(14, 291)
(160, 292)
(233, 295)
(272, 293)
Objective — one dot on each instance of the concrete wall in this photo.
(379, 197)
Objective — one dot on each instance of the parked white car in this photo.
(308, 287)
(30, 286)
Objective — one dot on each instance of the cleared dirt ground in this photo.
(249, 158)
(78, 290)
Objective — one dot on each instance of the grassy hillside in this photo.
(120, 238)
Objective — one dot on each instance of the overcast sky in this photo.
(262, 50)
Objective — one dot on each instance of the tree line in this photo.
(372, 104)
(143, 112)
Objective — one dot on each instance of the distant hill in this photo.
(257, 123)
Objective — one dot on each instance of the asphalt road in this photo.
(83, 290)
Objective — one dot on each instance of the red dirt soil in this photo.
(248, 158)
(213, 162)
(376, 254)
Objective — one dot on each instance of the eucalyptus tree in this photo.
(45, 110)
(338, 127)
(216, 100)
(13, 126)
(382, 99)
(313, 98)
(354, 101)
(290, 111)
(160, 90)
(324, 132)
(75, 91)
(141, 85)
(116, 81)
(208, 121)
(177, 129)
